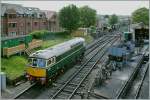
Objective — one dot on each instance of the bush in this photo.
(39, 34)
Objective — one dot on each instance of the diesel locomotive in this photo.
(44, 65)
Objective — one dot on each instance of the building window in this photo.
(32, 15)
(12, 33)
(5, 15)
(12, 25)
(40, 15)
(12, 15)
(44, 23)
(21, 33)
(35, 23)
(54, 22)
(28, 23)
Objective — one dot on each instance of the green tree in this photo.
(106, 16)
(141, 15)
(69, 17)
(87, 16)
(113, 19)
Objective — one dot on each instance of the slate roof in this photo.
(36, 11)
(5, 6)
(20, 9)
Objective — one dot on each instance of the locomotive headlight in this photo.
(27, 75)
(43, 79)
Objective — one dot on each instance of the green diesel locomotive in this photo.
(44, 65)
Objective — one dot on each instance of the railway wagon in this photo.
(45, 64)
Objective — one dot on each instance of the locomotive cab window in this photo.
(37, 62)
(34, 62)
(41, 63)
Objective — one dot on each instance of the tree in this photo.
(113, 19)
(69, 17)
(141, 15)
(106, 16)
(87, 16)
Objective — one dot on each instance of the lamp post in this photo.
(129, 24)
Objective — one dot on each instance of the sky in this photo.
(102, 7)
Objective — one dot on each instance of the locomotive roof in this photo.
(57, 49)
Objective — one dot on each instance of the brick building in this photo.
(18, 20)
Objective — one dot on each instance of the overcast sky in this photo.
(102, 7)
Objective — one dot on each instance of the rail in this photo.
(25, 90)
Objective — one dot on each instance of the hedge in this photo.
(43, 34)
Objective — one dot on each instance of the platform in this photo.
(111, 87)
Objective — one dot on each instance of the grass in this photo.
(52, 42)
(88, 39)
(15, 65)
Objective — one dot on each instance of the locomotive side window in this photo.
(49, 62)
(53, 59)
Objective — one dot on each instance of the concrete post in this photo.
(3, 81)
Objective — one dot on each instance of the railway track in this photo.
(25, 92)
(96, 44)
(125, 87)
(22, 92)
(68, 90)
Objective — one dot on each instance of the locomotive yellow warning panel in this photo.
(37, 72)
